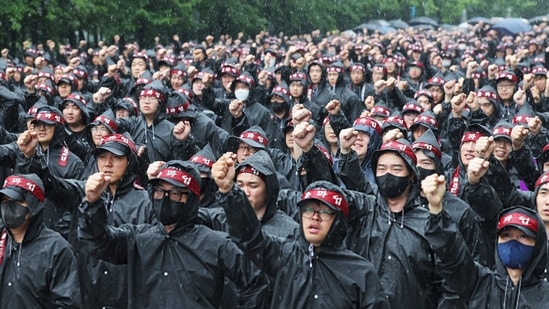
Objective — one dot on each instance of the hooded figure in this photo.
(255, 139)
(203, 161)
(38, 269)
(273, 221)
(318, 91)
(365, 146)
(152, 130)
(52, 154)
(252, 112)
(520, 257)
(203, 128)
(186, 273)
(315, 267)
(427, 150)
(77, 117)
(394, 220)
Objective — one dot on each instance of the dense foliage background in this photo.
(67, 21)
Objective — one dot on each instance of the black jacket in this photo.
(333, 277)
(274, 222)
(185, 267)
(39, 273)
(483, 287)
(158, 138)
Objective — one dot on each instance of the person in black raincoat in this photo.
(77, 117)
(388, 230)
(105, 284)
(44, 148)
(318, 91)
(203, 128)
(541, 195)
(203, 161)
(168, 263)
(37, 266)
(429, 161)
(256, 176)
(244, 111)
(521, 254)
(314, 270)
(151, 129)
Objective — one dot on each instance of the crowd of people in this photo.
(401, 170)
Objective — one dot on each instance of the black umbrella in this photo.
(539, 19)
(398, 24)
(423, 27)
(423, 20)
(478, 19)
(512, 26)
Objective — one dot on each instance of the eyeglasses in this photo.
(249, 149)
(101, 129)
(174, 195)
(505, 86)
(42, 125)
(323, 214)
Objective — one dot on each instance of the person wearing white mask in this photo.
(244, 111)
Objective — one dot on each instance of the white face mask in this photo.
(446, 63)
(241, 94)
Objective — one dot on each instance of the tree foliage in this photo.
(72, 20)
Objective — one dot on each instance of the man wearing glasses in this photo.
(313, 270)
(174, 262)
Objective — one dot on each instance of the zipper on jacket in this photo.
(311, 255)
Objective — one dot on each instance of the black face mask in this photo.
(13, 214)
(423, 173)
(279, 107)
(391, 186)
(168, 211)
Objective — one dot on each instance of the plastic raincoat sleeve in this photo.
(9, 154)
(522, 160)
(457, 266)
(351, 174)
(105, 242)
(316, 167)
(64, 284)
(485, 202)
(245, 228)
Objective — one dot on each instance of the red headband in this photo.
(426, 119)
(487, 94)
(108, 121)
(428, 147)
(25, 184)
(181, 177)
(174, 110)
(332, 198)
(400, 147)
(542, 179)
(152, 93)
(502, 131)
(522, 119)
(41, 116)
(256, 137)
(372, 123)
(202, 160)
(470, 137)
(250, 170)
(120, 139)
(520, 219)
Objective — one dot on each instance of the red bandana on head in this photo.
(329, 197)
(25, 184)
(181, 177)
